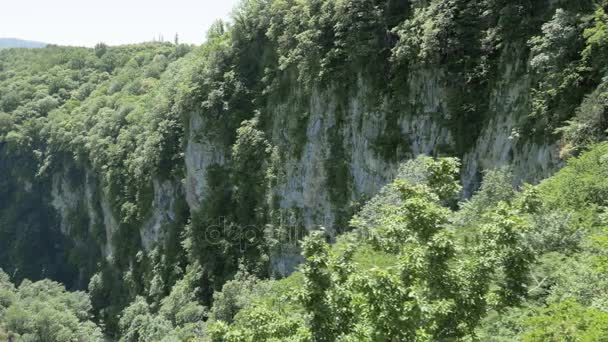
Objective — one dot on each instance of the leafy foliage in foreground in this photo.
(45, 311)
(506, 265)
(498, 269)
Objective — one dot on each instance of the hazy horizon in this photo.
(114, 22)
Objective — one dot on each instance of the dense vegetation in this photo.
(416, 262)
(503, 266)
(44, 311)
(506, 265)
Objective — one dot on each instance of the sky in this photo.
(114, 22)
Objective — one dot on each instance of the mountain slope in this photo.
(7, 43)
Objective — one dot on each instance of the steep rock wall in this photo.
(305, 194)
(327, 128)
(86, 216)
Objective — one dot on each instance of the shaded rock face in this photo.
(200, 154)
(84, 198)
(80, 198)
(500, 144)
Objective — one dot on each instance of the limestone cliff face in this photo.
(500, 143)
(78, 201)
(304, 194)
(82, 204)
(200, 154)
(328, 128)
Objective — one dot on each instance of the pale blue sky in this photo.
(87, 22)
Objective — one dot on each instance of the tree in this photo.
(567, 321)
(44, 311)
(433, 292)
(316, 285)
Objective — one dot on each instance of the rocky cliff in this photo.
(302, 189)
(141, 160)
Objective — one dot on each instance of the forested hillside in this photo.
(318, 170)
